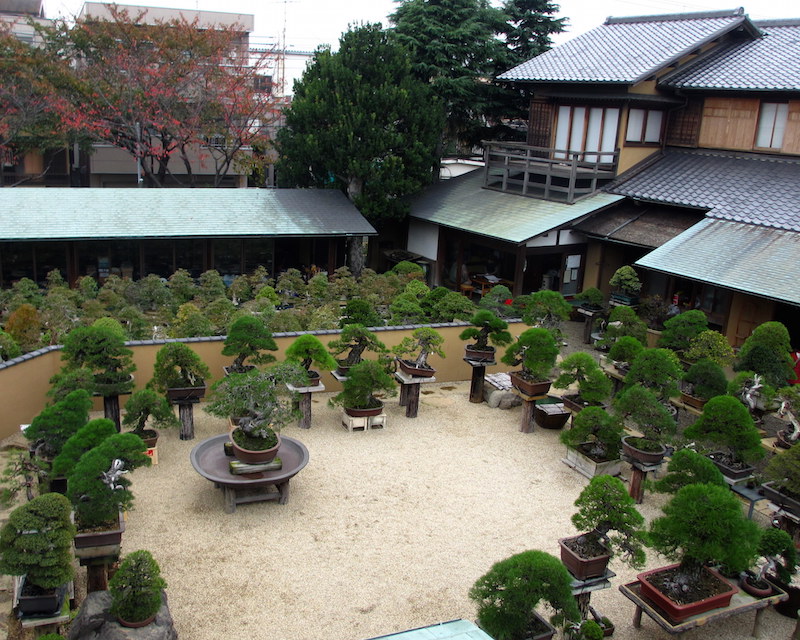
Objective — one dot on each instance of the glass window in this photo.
(228, 257)
(158, 258)
(644, 126)
(771, 125)
(587, 129)
(258, 252)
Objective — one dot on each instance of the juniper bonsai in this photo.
(136, 587)
(248, 338)
(726, 423)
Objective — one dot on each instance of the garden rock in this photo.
(94, 622)
(499, 398)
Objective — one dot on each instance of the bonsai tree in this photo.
(585, 630)
(36, 542)
(144, 405)
(766, 352)
(779, 554)
(705, 379)
(84, 439)
(623, 321)
(688, 467)
(754, 393)
(419, 346)
(625, 349)
(486, 327)
(364, 380)
(536, 350)
(507, 595)
(648, 414)
(355, 339)
(790, 410)
(596, 432)
(98, 486)
(604, 506)
(726, 423)
(654, 310)
(546, 309)
(591, 298)
(658, 370)
(497, 300)
(55, 424)
(593, 385)
(451, 307)
(177, 367)
(783, 471)
(135, 588)
(626, 281)
(359, 311)
(65, 382)
(248, 338)
(680, 330)
(308, 350)
(712, 345)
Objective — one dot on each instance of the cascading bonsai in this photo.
(178, 367)
(594, 387)
(146, 405)
(486, 328)
(364, 380)
(308, 351)
(536, 350)
(419, 346)
(355, 339)
(136, 587)
(595, 433)
(248, 339)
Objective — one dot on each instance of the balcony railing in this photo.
(549, 174)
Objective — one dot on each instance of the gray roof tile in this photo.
(741, 187)
(626, 50)
(770, 63)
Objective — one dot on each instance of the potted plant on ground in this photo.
(783, 480)
(248, 339)
(146, 405)
(594, 387)
(36, 542)
(712, 345)
(696, 530)
(308, 350)
(593, 443)
(624, 351)
(135, 590)
(355, 339)
(726, 423)
(777, 558)
(626, 285)
(680, 330)
(604, 506)
(364, 380)
(648, 415)
(536, 350)
(704, 380)
(507, 596)
(486, 327)
(413, 352)
(179, 373)
(685, 467)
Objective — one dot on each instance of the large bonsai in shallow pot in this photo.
(364, 380)
(355, 340)
(307, 350)
(413, 352)
(486, 328)
(704, 380)
(248, 339)
(536, 350)
(648, 415)
(625, 285)
(179, 373)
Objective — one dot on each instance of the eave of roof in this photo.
(93, 214)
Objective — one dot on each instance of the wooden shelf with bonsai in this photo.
(593, 443)
(507, 604)
(355, 340)
(536, 350)
(248, 340)
(181, 375)
(358, 395)
(412, 358)
(486, 328)
(308, 351)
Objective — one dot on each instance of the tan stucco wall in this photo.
(25, 383)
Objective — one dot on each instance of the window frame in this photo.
(642, 140)
(784, 116)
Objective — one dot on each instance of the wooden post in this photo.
(637, 484)
(526, 424)
(637, 617)
(305, 411)
(111, 410)
(412, 398)
(476, 387)
(403, 394)
(583, 603)
(97, 576)
(186, 413)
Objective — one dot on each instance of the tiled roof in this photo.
(626, 50)
(769, 63)
(61, 213)
(741, 187)
(462, 203)
(743, 257)
(644, 225)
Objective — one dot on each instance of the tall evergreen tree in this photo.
(360, 121)
(529, 25)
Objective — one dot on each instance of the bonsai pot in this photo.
(105, 537)
(788, 607)
(755, 587)
(254, 456)
(551, 416)
(528, 387)
(590, 467)
(783, 500)
(136, 625)
(363, 413)
(150, 438)
(479, 355)
(343, 368)
(313, 378)
(185, 394)
(782, 439)
(692, 401)
(580, 567)
(39, 601)
(409, 368)
(734, 473)
(642, 455)
(540, 629)
(574, 403)
(245, 368)
(624, 298)
(679, 612)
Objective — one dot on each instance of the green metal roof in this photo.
(761, 261)
(453, 630)
(462, 203)
(64, 213)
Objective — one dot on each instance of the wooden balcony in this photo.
(548, 174)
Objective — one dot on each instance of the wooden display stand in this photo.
(409, 391)
(305, 402)
(44, 625)
(588, 323)
(97, 560)
(478, 374)
(186, 414)
(528, 406)
(582, 590)
(352, 423)
(638, 477)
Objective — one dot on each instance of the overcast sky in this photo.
(309, 23)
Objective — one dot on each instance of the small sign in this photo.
(153, 453)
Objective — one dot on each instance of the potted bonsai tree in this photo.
(783, 480)
(136, 590)
(696, 529)
(179, 372)
(413, 352)
(754, 392)
(712, 345)
(546, 309)
(658, 370)
(789, 398)
(593, 443)
(308, 350)
(726, 423)
(685, 467)
(84, 439)
(591, 298)
(248, 339)
(777, 560)
(146, 405)
(364, 380)
(594, 387)
(766, 352)
(355, 339)
(626, 286)
(36, 542)
(536, 350)
(622, 321)
(651, 418)
(508, 594)
(604, 506)
(624, 351)
(486, 327)
(680, 330)
(704, 380)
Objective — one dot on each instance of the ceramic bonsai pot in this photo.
(680, 612)
(551, 416)
(750, 584)
(790, 607)
(185, 394)
(783, 500)
(364, 413)
(136, 625)
(113, 536)
(625, 299)
(641, 455)
(479, 355)
(692, 401)
(39, 604)
(409, 368)
(580, 567)
(313, 378)
(731, 472)
(590, 467)
(527, 387)
(254, 456)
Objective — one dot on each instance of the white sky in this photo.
(309, 23)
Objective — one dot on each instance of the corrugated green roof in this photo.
(62, 213)
(463, 204)
(757, 260)
(453, 630)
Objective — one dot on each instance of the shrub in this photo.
(766, 352)
(177, 366)
(136, 587)
(144, 405)
(24, 325)
(9, 348)
(591, 297)
(547, 309)
(680, 330)
(707, 379)
(643, 408)
(182, 286)
(406, 309)
(726, 423)
(626, 281)
(593, 385)
(623, 321)
(101, 349)
(361, 312)
(654, 310)
(56, 423)
(496, 301)
(364, 380)
(452, 307)
(783, 470)
(408, 268)
(190, 322)
(777, 547)
(712, 345)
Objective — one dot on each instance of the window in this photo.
(771, 125)
(587, 129)
(644, 126)
(262, 84)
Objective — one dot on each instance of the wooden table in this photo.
(740, 603)
(485, 284)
